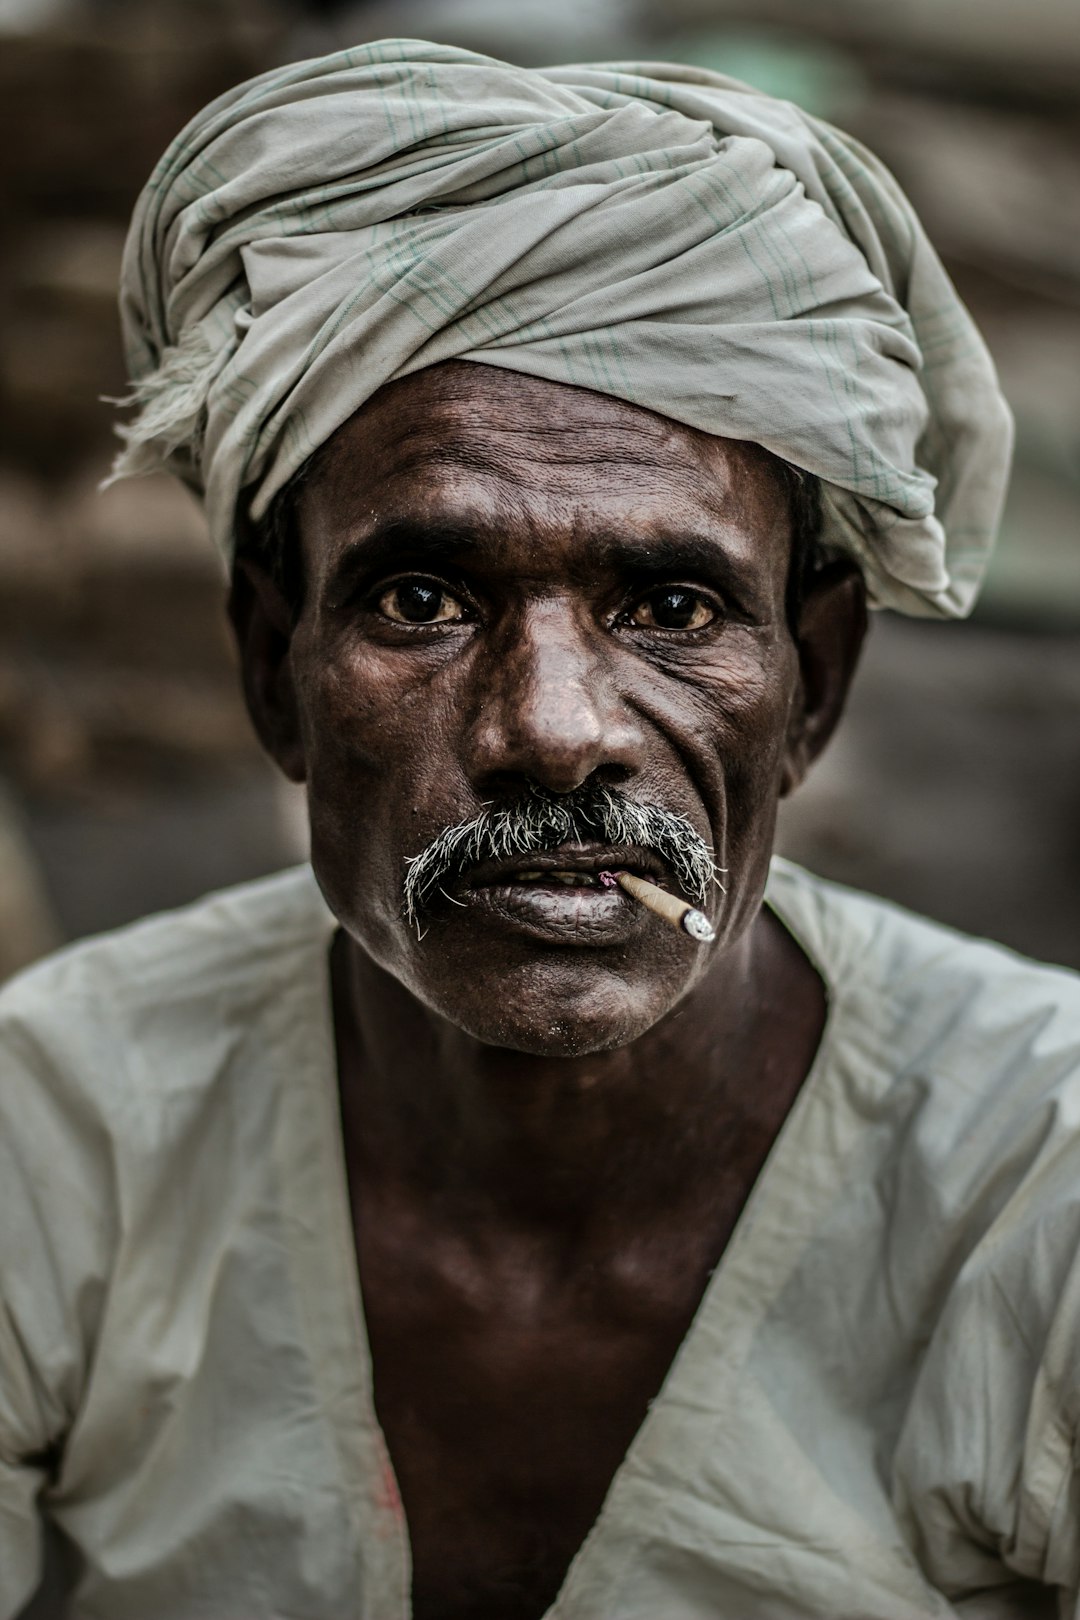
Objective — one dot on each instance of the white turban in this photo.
(658, 233)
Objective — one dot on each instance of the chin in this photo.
(558, 1038)
(559, 1026)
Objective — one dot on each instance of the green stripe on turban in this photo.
(658, 233)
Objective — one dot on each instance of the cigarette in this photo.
(679, 913)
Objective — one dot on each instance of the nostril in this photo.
(505, 786)
(614, 775)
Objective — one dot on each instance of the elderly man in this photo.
(547, 1209)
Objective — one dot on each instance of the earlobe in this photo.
(263, 628)
(828, 640)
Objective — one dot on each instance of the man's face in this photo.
(511, 583)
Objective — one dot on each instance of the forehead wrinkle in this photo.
(548, 463)
(566, 466)
(467, 409)
(464, 413)
(521, 453)
(575, 531)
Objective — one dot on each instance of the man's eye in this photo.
(673, 608)
(419, 601)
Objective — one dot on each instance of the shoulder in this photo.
(127, 1064)
(984, 1022)
(853, 929)
(165, 950)
(961, 1060)
(107, 1046)
(86, 1010)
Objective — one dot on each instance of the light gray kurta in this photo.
(874, 1414)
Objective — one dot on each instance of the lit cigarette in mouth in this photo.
(679, 913)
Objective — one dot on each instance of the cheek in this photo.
(741, 706)
(727, 717)
(348, 699)
(369, 715)
(381, 773)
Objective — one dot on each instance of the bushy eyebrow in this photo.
(664, 555)
(412, 543)
(400, 542)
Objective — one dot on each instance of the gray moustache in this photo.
(543, 821)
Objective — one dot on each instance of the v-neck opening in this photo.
(731, 1278)
(730, 1264)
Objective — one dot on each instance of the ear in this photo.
(828, 640)
(263, 626)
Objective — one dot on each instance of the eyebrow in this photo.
(401, 541)
(692, 553)
(407, 542)
(666, 554)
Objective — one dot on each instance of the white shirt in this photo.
(875, 1412)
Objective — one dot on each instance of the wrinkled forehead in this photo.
(496, 453)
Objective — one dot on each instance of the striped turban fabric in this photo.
(657, 233)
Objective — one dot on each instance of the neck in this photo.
(581, 1142)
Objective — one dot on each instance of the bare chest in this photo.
(507, 1413)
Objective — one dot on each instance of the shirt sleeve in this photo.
(20, 1479)
(986, 1471)
(54, 1226)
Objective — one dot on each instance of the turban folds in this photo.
(657, 233)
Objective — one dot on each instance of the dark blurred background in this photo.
(128, 778)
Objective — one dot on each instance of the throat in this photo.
(531, 1259)
(632, 1137)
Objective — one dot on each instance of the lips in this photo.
(557, 897)
(575, 866)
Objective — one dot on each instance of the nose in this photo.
(548, 710)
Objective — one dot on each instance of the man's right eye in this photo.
(420, 601)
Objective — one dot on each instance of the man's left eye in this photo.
(420, 601)
(673, 608)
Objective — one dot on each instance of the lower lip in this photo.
(585, 916)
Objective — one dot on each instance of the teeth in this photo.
(569, 880)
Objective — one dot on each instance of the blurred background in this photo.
(128, 777)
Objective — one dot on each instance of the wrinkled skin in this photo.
(553, 1112)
